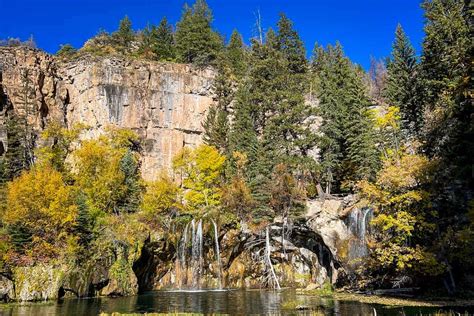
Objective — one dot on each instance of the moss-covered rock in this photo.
(40, 282)
(122, 279)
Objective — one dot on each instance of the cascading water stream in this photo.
(182, 250)
(196, 251)
(218, 255)
(358, 222)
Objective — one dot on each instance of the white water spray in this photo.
(218, 255)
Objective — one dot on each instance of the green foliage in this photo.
(66, 51)
(129, 166)
(291, 46)
(448, 130)
(158, 42)
(84, 228)
(402, 83)
(124, 35)
(196, 42)
(216, 123)
(18, 156)
(236, 54)
(347, 145)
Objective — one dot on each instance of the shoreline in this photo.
(394, 301)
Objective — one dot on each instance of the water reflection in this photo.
(231, 302)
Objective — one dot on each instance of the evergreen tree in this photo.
(243, 136)
(272, 122)
(124, 36)
(447, 54)
(402, 86)
(20, 236)
(66, 51)
(196, 42)
(236, 54)
(158, 42)
(16, 158)
(448, 132)
(84, 222)
(347, 146)
(132, 186)
(292, 47)
(360, 138)
(216, 123)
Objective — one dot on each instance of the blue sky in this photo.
(365, 27)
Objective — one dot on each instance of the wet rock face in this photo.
(301, 260)
(164, 103)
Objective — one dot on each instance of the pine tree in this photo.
(448, 130)
(236, 54)
(20, 236)
(447, 54)
(132, 193)
(158, 42)
(16, 158)
(402, 85)
(272, 122)
(347, 146)
(124, 36)
(84, 222)
(360, 137)
(196, 42)
(291, 45)
(216, 123)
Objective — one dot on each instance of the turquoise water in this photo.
(231, 302)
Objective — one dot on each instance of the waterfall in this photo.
(196, 252)
(359, 220)
(218, 255)
(182, 263)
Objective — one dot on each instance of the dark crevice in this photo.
(147, 268)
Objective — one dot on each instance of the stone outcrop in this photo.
(164, 103)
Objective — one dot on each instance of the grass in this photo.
(391, 301)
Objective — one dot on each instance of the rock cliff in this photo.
(164, 103)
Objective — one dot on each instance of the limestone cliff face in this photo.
(164, 103)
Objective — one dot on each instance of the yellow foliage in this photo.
(390, 119)
(40, 199)
(59, 141)
(401, 210)
(161, 198)
(404, 172)
(40, 202)
(97, 171)
(200, 170)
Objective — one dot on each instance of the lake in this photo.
(231, 302)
